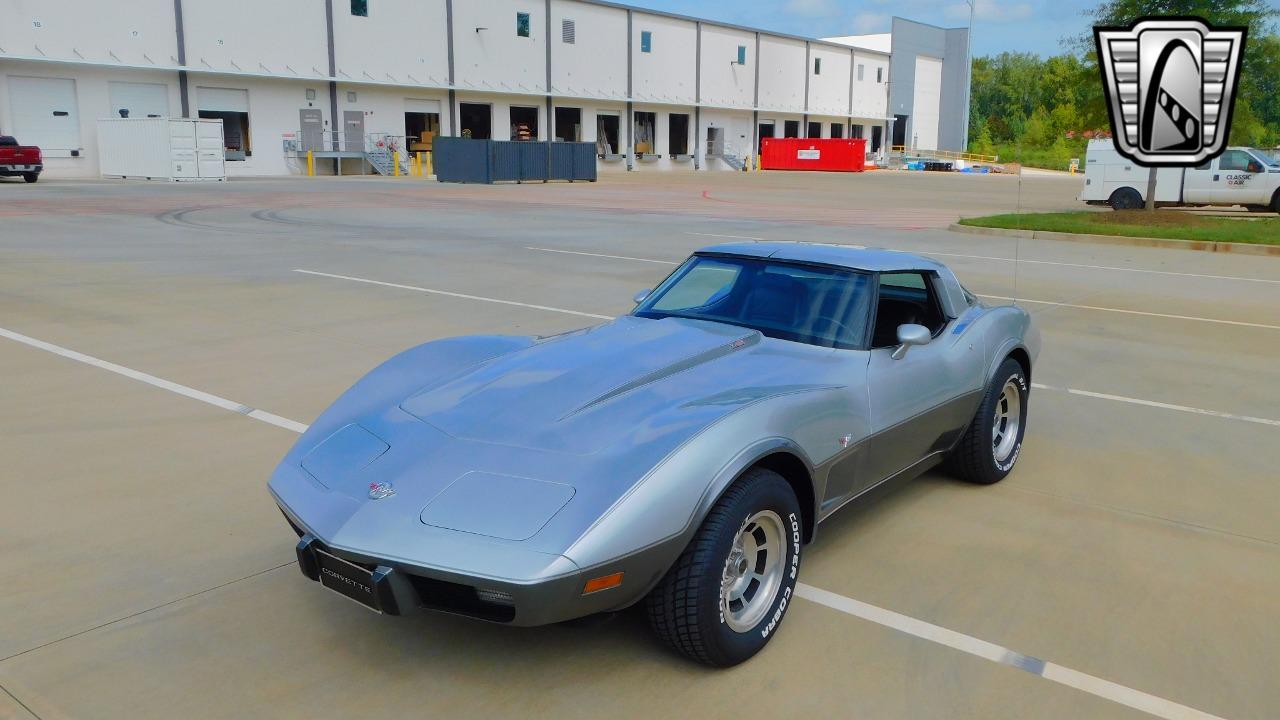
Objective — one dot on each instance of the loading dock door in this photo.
(140, 100)
(44, 112)
(715, 142)
(899, 130)
(766, 131)
(353, 130)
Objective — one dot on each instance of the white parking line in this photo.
(1133, 312)
(1098, 267)
(1054, 672)
(161, 383)
(903, 623)
(601, 255)
(1029, 262)
(734, 237)
(1160, 405)
(453, 294)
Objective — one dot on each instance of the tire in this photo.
(705, 607)
(986, 452)
(31, 177)
(1125, 198)
(1275, 202)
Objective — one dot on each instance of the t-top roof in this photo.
(849, 256)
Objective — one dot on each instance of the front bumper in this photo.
(401, 588)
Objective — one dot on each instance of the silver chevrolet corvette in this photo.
(681, 456)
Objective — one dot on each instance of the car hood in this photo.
(566, 393)
(533, 445)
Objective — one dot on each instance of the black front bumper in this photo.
(393, 592)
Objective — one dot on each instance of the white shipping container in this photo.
(161, 149)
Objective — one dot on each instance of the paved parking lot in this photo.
(161, 346)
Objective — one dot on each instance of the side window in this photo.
(906, 298)
(1234, 160)
(706, 283)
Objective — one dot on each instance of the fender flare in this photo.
(743, 461)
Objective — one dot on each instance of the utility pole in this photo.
(1151, 189)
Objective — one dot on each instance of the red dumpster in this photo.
(832, 155)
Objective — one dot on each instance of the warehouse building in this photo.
(351, 80)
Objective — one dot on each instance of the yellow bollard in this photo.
(311, 163)
(395, 163)
(430, 170)
(418, 163)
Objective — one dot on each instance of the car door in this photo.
(922, 401)
(1236, 181)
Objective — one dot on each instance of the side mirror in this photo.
(641, 296)
(909, 335)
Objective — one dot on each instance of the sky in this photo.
(1035, 26)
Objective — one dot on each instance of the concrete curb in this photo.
(1201, 245)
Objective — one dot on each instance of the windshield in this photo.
(1265, 158)
(820, 306)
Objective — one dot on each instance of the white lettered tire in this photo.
(726, 595)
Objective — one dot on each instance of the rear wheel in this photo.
(1275, 202)
(990, 447)
(1125, 198)
(724, 597)
(31, 177)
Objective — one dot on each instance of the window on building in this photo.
(814, 130)
(678, 134)
(524, 123)
(856, 131)
(879, 74)
(837, 130)
(817, 66)
(360, 8)
(569, 124)
(791, 129)
(862, 71)
(742, 54)
(568, 31)
(646, 41)
(646, 131)
(351, 96)
(522, 24)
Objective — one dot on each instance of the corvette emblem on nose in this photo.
(380, 490)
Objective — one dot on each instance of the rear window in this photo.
(8, 141)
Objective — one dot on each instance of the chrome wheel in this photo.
(1007, 420)
(753, 571)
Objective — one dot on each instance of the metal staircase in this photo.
(734, 161)
(381, 150)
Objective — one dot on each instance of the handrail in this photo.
(945, 154)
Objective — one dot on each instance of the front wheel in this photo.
(724, 597)
(990, 447)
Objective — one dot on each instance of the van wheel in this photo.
(1125, 198)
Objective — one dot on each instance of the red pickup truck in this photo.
(20, 160)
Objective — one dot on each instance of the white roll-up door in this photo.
(924, 103)
(44, 112)
(222, 99)
(422, 106)
(142, 100)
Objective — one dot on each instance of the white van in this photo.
(1239, 176)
